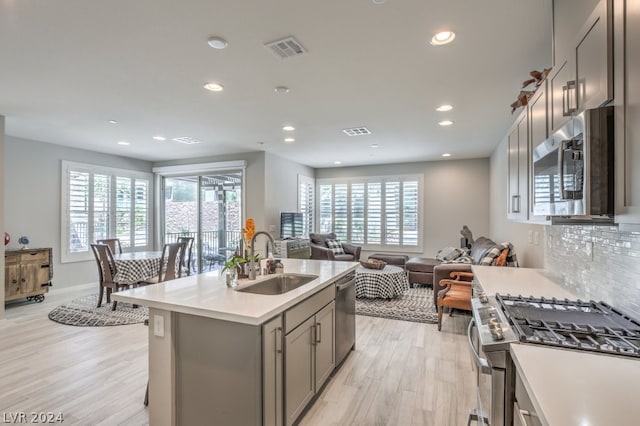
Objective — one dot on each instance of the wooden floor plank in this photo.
(401, 373)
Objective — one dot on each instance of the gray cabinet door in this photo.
(594, 59)
(562, 95)
(325, 344)
(538, 115)
(627, 111)
(299, 369)
(272, 344)
(518, 168)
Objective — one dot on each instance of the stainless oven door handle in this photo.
(561, 148)
(482, 363)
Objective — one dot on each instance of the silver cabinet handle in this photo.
(523, 415)
(567, 90)
(278, 335)
(318, 332)
(481, 363)
(515, 204)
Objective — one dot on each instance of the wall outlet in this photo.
(158, 325)
(530, 237)
(536, 237)
(272, 228)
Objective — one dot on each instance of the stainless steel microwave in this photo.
(573, 169)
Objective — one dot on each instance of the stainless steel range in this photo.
(501, 320)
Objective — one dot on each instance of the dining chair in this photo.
(188, 254)
(113, 243)
(107, 273)
(171, 262)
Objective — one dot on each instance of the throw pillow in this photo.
(335, 246)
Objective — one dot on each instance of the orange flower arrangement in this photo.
(248, 231)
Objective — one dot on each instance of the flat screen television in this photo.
(291, 225)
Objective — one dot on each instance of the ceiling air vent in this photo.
(286, 48)
(186, 140)
(357, 131)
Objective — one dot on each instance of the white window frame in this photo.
(66, 255)
(309, 203)
(376, 179)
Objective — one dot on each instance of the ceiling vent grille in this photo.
(357, 131)
(186, 140)
(286, 48)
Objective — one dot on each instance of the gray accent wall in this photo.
(32, 193)
(455, 193)
(596, 263)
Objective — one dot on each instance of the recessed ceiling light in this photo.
(160, 138)
(288, 128)
(214, 87)
(337, 162)
(374, 145)
(445, 123)
(217, 42)
(281, 89)
(444, 108)
(123, 143)
(446, 155)
(443, 37)
(378, 1)
(289, 140)
(113, 122)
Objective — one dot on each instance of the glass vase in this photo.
(231, 277)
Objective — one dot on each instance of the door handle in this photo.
(567, 90)
(481, 363)
(318, 333)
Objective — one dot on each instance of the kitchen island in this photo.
(557, 386)
(217, 355)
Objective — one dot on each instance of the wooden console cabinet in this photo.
(27, 273)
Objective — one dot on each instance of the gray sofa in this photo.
(483, 252)
(319, 249)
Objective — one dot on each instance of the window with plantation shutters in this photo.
(306, 202)
(101, 202)
(382, 212)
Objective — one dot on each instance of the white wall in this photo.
(281, 189)
(456, 193)
(32, 198)
(529, 255)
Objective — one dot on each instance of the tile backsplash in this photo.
(596, 263)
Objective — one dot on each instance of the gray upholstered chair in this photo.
(321, 251)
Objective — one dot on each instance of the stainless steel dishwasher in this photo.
(345, 316)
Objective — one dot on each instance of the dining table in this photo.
(138, 266)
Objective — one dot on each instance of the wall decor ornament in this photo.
(7, 238)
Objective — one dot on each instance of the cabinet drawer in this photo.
(35, 256)
(11, 258)
(308, 307)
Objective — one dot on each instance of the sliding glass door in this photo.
(208, 208)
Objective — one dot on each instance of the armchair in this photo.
(320, 250)
(455, 294)
(483, 252)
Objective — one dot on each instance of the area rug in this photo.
(416, 305)
(82, 312)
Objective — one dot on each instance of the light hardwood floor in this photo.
(401, 373)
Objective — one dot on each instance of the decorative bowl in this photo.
(373, 264)
(7, 238)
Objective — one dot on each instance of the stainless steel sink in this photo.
(278, 284)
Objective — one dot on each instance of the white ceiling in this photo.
(69, 66)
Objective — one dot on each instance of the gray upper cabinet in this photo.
(538, 118)
(561, 104)
(582, 74)
(627, 111)
(594, 58)
(518, 168)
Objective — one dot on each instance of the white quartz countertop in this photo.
(208, 295)
(569, 387)
(523, 281)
